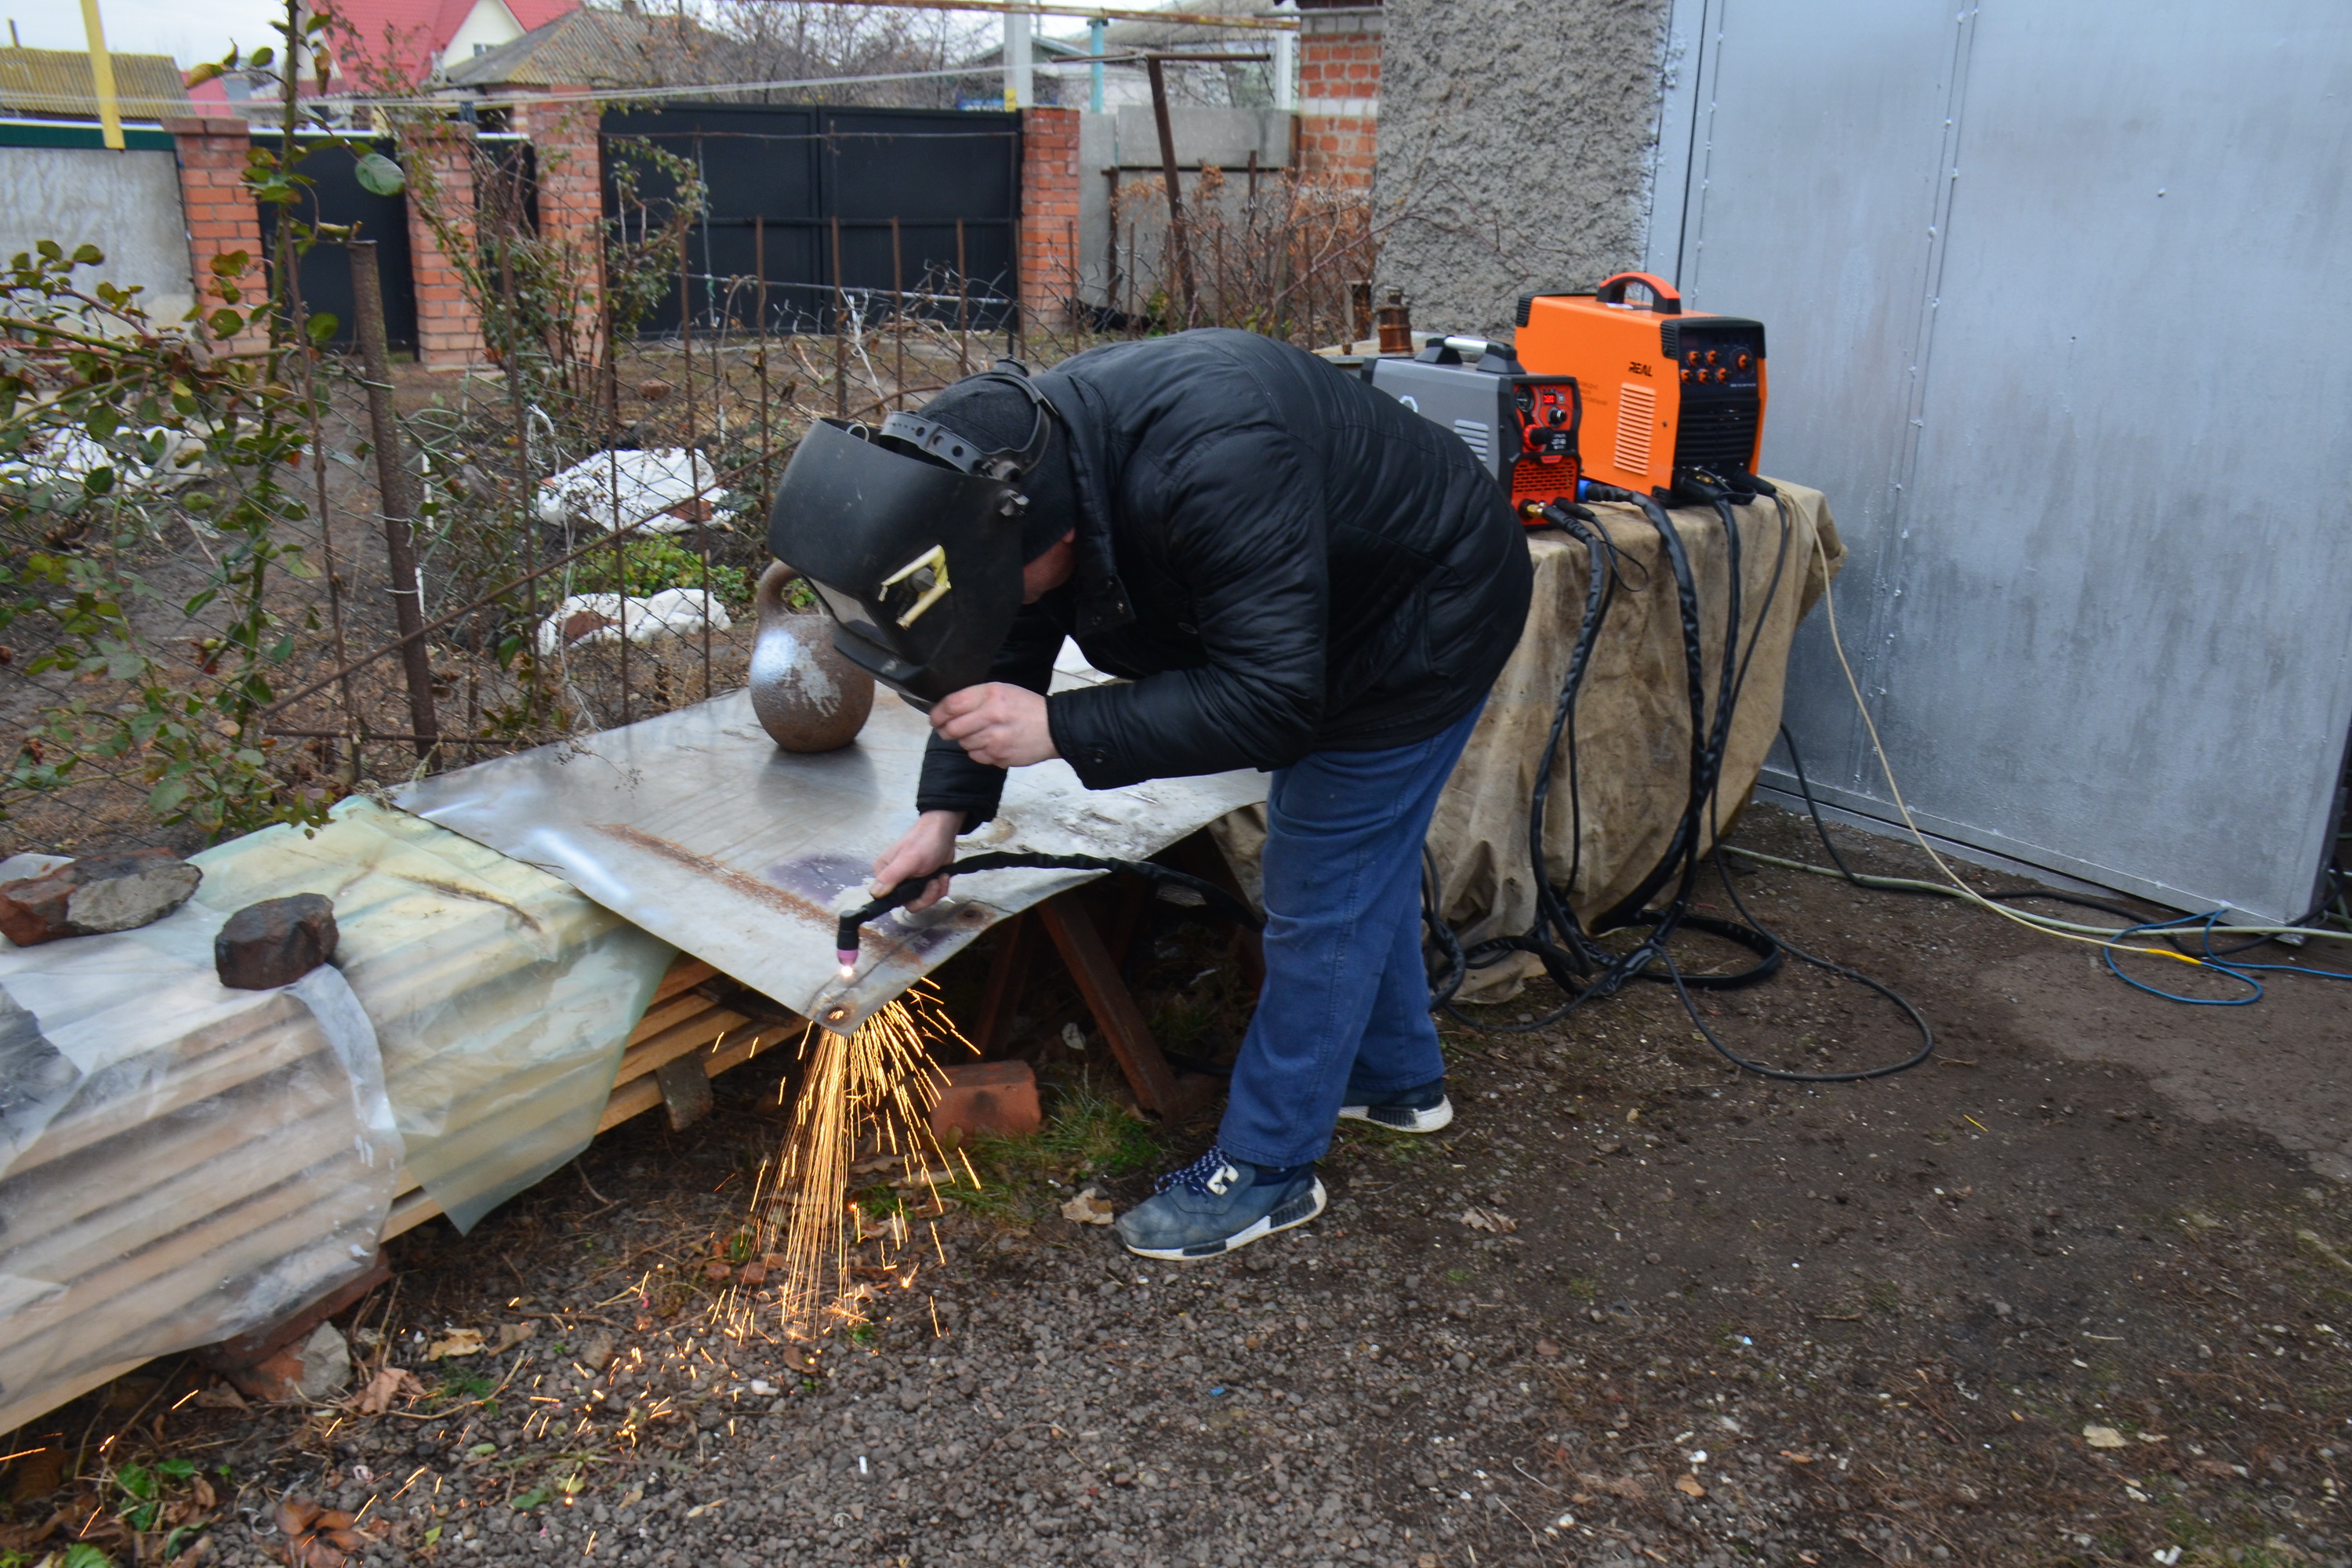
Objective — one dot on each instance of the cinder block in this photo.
(987, 1097)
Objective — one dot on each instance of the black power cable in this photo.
(2135, 920)
(1569, 953)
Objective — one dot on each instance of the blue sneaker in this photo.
(1422, 1110)
(1215, 1204)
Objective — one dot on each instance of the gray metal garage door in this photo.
(2058, 316)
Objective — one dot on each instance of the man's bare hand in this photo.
(927, 846)
(1002, 726)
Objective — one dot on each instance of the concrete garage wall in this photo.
(127, 203)
(1519, 140)
(1127, 139)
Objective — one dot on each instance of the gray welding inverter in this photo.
(1521, 427)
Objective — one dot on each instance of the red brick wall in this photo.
(221, 217)
(448, 330)
(571, 197)
(1339, 67)
(1049, 213)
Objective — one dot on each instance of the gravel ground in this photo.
(2023, 1304)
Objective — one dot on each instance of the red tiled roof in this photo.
(405, 37)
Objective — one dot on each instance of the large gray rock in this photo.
(97, 894)
(326, 1364)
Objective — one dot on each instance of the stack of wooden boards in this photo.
(225, 1156)
(212, 1158)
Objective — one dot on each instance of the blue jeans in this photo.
(1344, 1017)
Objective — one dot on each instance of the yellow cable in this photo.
(1837, 645)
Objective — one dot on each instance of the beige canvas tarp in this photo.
(1633, 721)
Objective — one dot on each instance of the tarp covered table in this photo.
(1632, 723)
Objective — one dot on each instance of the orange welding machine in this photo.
(1664, 393)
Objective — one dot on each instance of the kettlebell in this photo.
(807, 696)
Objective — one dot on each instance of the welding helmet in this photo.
(912, 537)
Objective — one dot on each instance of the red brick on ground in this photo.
(987, 1097)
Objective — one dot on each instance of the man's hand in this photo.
(927, 846)
(1002, 726)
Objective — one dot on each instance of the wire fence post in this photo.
(697, 506)
(1111, 271)
(898, 317)
(963, 307)
(399, 495)
(760, 264)
(840, 331)
(1182, 257)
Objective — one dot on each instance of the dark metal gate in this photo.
(806, 196)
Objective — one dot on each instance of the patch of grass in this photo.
(1583, 1288)
(464, 1385)
(1087, 1135)
(1458, 1276)
(1882, 1296)
(1373, 1141)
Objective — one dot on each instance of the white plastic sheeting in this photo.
(586, 620)
(667, 489)
(502, 998)
(180, 1163)
(183, 1161)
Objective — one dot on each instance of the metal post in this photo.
(897, 315)
(760, 264)
(963, 307)
(696, 504)
(518, 412)
(101, 76)
(840, 331)
(399, 492)
(1019, 79)
(1286, 64)
(1095, 29)
(1110, 278)
(1175, 196)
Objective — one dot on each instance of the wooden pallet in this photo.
(224, 1168)
(680, 1022)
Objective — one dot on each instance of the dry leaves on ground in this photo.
(456, 1342)
(317, 1537)
(389, 1386)
(1089, 1207)
(1494, 1220)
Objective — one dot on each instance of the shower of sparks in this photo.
(864, 1115)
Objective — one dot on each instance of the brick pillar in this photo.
(572, 204)
(222, 218)
(1049, 215)
(1339, 95)
(440, 160)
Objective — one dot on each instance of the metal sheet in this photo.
(694, 827)
(2017, 263)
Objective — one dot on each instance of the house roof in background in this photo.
(594, 48)
(407, 37)
(58, 83)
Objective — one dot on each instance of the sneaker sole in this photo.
(1436, 1118)
(1296, 1212)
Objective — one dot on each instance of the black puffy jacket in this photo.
(1278, 559)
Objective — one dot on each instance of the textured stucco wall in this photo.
(1517, 138)
(126, 203)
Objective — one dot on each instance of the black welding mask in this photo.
(912, 537)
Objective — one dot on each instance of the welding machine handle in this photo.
(1666, 299)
